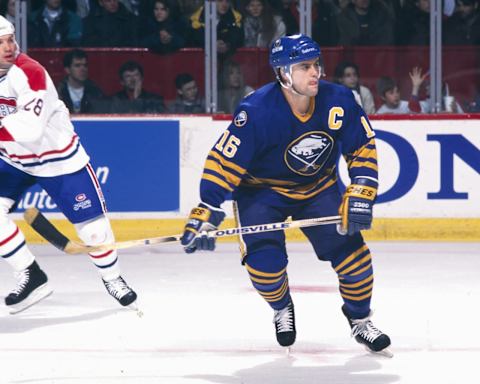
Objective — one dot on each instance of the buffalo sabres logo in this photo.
(241, 119)
(307, 154)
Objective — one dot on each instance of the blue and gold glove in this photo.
(357, 205)
(202, 219)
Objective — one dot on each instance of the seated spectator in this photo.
(347, 73)
(188, 100)
(77, 91)
(232, 87)
(229, 28)
(111, 25)
(365, 22)
(463, 28)
(260, 26)
(162, 33)
(387, 88)
(7, 10)
(54, 26)
(133, 98)
(390, 94)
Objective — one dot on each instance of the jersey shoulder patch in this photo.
(34, 72)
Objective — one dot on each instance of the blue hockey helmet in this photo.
(288, 50)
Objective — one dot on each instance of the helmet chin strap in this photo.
(289, 84)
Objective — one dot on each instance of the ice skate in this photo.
(119, 289)
(366, 333)
(32, 286)
(284, 320)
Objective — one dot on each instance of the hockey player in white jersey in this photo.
(38, 145)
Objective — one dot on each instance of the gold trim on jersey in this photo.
(252, 180)
(227, 163)
(218, 181)
(363, 164)
(297, 191)
(215, 166)
(363, 151)
(368, 155)
(311, 108)
(306, 191)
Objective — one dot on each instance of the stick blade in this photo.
(45, 229)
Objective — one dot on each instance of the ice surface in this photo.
(203, 323)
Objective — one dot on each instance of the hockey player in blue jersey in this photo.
(278, 158)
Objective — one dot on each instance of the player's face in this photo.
(79, 69)
(305, 77)
(7, 50)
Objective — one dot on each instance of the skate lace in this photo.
(22, 280)
(365, 329)
(117, 287)
(283, 319)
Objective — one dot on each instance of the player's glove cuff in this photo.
(202, 219)
(356, 209)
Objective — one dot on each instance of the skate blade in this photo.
(134, 307)
(384, 352)
(37, 295)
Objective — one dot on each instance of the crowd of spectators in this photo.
(168, 25)
(165, 26)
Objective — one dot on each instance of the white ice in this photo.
(203, 323)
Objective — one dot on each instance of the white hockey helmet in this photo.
(6, 27)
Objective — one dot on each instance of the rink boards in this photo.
(150, 170)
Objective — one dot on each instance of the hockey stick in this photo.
(48, 231)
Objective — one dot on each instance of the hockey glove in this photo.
(357, 205)
(201, 220)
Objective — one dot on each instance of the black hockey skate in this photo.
(119, 289)
(367, 334)
(31, 287)
(284, 320)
